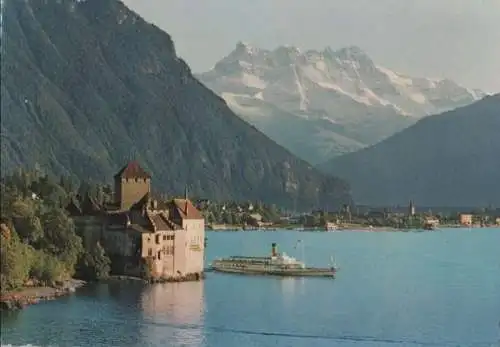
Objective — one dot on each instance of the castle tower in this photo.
(132, 182)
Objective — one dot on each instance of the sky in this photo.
(456, 39)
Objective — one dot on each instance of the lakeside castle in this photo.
(144, 236)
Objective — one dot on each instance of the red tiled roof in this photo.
(186, 209)
(132, 170)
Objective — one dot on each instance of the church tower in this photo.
(411, 209)
(132, 182)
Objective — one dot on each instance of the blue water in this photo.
(393, 289)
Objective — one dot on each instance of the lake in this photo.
(393, 289)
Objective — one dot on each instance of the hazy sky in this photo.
(458, 39)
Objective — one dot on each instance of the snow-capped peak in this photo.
(329, 101)
(245, 48)
(295, 80)
(351, 51)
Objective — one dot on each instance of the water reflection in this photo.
(290, 288)
(173, 314)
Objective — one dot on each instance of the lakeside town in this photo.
(248, 216)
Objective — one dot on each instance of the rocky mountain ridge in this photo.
(346, 100)
(451, 159)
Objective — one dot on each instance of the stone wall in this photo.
(121, 242)
(128, 191)
(89, 228)
(194, 247)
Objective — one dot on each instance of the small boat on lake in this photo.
(277, 264)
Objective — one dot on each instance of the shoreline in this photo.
(19, 299)
(350, 228)
(191, 277)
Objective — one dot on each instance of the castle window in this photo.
(159, 255)
(150, 252)
(145, 180)
(136, 180)
(169, 250)
(164, 237)
(158, 239)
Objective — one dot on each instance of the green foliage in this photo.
(39, 240)
(47, 268)
(94, 264)
(25, 220)
(15, 262)
(60, 238)
(20, 262)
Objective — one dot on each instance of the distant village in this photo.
(249, 216)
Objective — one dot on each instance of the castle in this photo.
(143, 236)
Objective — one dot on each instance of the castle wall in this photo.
(89, 228)
(194, 247)
(160, 247)
(180, 256)
(123, 248)
(118, 241)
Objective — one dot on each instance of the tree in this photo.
(237, 219)
(50, 191)
(60, 238)
(21, 180)
(47, 268)
(26, 223)
(94, 264)
(209, 216)
(15, 261)
(228, 218)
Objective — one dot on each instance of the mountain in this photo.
(331, 102)
(89, 85)
(450, 159)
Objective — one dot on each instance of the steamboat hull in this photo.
(305, 272)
